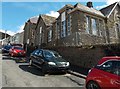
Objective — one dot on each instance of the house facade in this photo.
(112, 13)
(29, 31)
(77, 25)
(42, 29)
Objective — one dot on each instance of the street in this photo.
(17, 73)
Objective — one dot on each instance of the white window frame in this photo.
(50, 35)
(88, 24)
(94, 26)
(63, 25)
(69, 25)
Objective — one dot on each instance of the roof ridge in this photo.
(87, 6)
(108, 6)
(47, 15)
(47, 19)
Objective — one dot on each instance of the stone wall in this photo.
(87, 56)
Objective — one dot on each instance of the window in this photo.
(49, 35)
(111, 67)
(117, 30)
(69, 25)
(38, 52)
(58, 30)
(94, 26)
(40, 35)
(48, 54)
(101, 27)
(88, 24)
(63, 28)
(40, 30)
(63, 16)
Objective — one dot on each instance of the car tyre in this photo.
(44, 70)
(92, 85)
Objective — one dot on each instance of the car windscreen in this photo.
(19, 48)
(7, 47)
(50, 54)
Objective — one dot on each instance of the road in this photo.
(17, 73)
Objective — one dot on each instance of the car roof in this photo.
(108, 58)
(17, 46)
(44, 50)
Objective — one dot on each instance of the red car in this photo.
(105, 75)
(17, 51)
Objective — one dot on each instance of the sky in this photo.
(13, 15)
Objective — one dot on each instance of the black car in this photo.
(48, 61)
(6, 48)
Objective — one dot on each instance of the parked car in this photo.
(6, 48)
(48, 61)
(17, 51)
(17, 45)
(105, 75)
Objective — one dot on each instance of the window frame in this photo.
(100, 67)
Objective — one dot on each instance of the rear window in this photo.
(19, 48)
(7, 47)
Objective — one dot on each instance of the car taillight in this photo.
(15, 51)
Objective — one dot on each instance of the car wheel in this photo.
(92, 85)
(44, 70)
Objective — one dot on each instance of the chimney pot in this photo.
(89, 4)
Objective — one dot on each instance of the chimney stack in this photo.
(89, 4)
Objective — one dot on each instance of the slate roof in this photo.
(34, 19)
(107, 10)
(48, 19)
(86, 9)
(67, 5)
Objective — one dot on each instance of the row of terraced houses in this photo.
(77, 25)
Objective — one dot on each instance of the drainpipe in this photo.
(76, 39)
(107, 31)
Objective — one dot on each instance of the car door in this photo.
(40, 58)
(108, 75)
(34, 56)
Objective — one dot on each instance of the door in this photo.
(39, 57)
(34, 56)
(109, 73)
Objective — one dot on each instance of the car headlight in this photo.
(67, 64)
(51, 63)
(90, 70)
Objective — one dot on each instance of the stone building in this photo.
(77, 25)
(29, 31)
(112, 14)
(43, 26)
(80, 25)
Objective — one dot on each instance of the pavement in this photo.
(77, 74)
